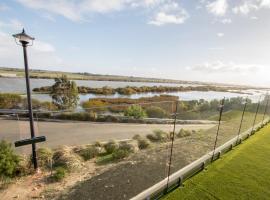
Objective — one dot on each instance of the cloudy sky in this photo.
(202, 40)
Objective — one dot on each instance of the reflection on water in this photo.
(186, 96)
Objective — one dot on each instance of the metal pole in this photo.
(29, 101)
(258, 106)
(173, 135)
(266, 106)
(242, 118)
(219, 122)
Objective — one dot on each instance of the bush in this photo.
(183, 133)
(143, 143)
(89, 152)
(94, 105)
(110, 147)
(156, 112)
(59, 174)
(82, 116)
(126, 147)
(135, 111)
(120, 154)
(44, 156)
(66, 158)
(9, 161)
(97, 144)
(136, 137)
(9, 101)
(158, 136)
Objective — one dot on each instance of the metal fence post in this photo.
(266, 107)
(255, 118)
(219, 122)
(172, 143)
(242, 118)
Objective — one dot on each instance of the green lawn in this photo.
(240, 174)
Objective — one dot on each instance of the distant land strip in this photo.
(8, 72)
(144, 89)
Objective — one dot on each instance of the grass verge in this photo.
(241, 174)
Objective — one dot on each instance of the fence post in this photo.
(219, 122)
(241, 122)
(255, 118)
(266, 106)
(172, 142)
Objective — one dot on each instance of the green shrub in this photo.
(156, 112)
(44, 156)
(9, 161)
(143, 143)
(59, 174)
(110, 146)
(135, 111)
(126, 147)
(120, 154)
(183, 133)
(158, 136)
(89, 152)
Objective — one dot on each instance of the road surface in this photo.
(77, 133)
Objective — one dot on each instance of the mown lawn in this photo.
(243, 173)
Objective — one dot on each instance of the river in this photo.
(17, 85)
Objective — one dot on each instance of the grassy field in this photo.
(241, 174)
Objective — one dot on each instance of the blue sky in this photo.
(202, 40)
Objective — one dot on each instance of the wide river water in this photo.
(17, 85)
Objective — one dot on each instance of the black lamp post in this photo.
(25, 40)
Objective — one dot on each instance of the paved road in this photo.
(76, 133)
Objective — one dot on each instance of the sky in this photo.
(199, 40)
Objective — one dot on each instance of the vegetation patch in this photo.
(183, 133)
(89, 152)
(59, 174)
(136, 112)
(9, 161)
(45, 156)
(66, 158)
(143, 143)
(158, 136)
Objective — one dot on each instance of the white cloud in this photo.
(247, 7)
(13, 24)
(41, 54)
(221, 67)
(220, 34)
(170, 13)
(218, 7)
(43, 46)
(165, 11)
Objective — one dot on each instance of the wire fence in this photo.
(152, 140)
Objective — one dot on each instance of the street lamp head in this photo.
(23, 38)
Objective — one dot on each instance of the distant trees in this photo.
(64, 93)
